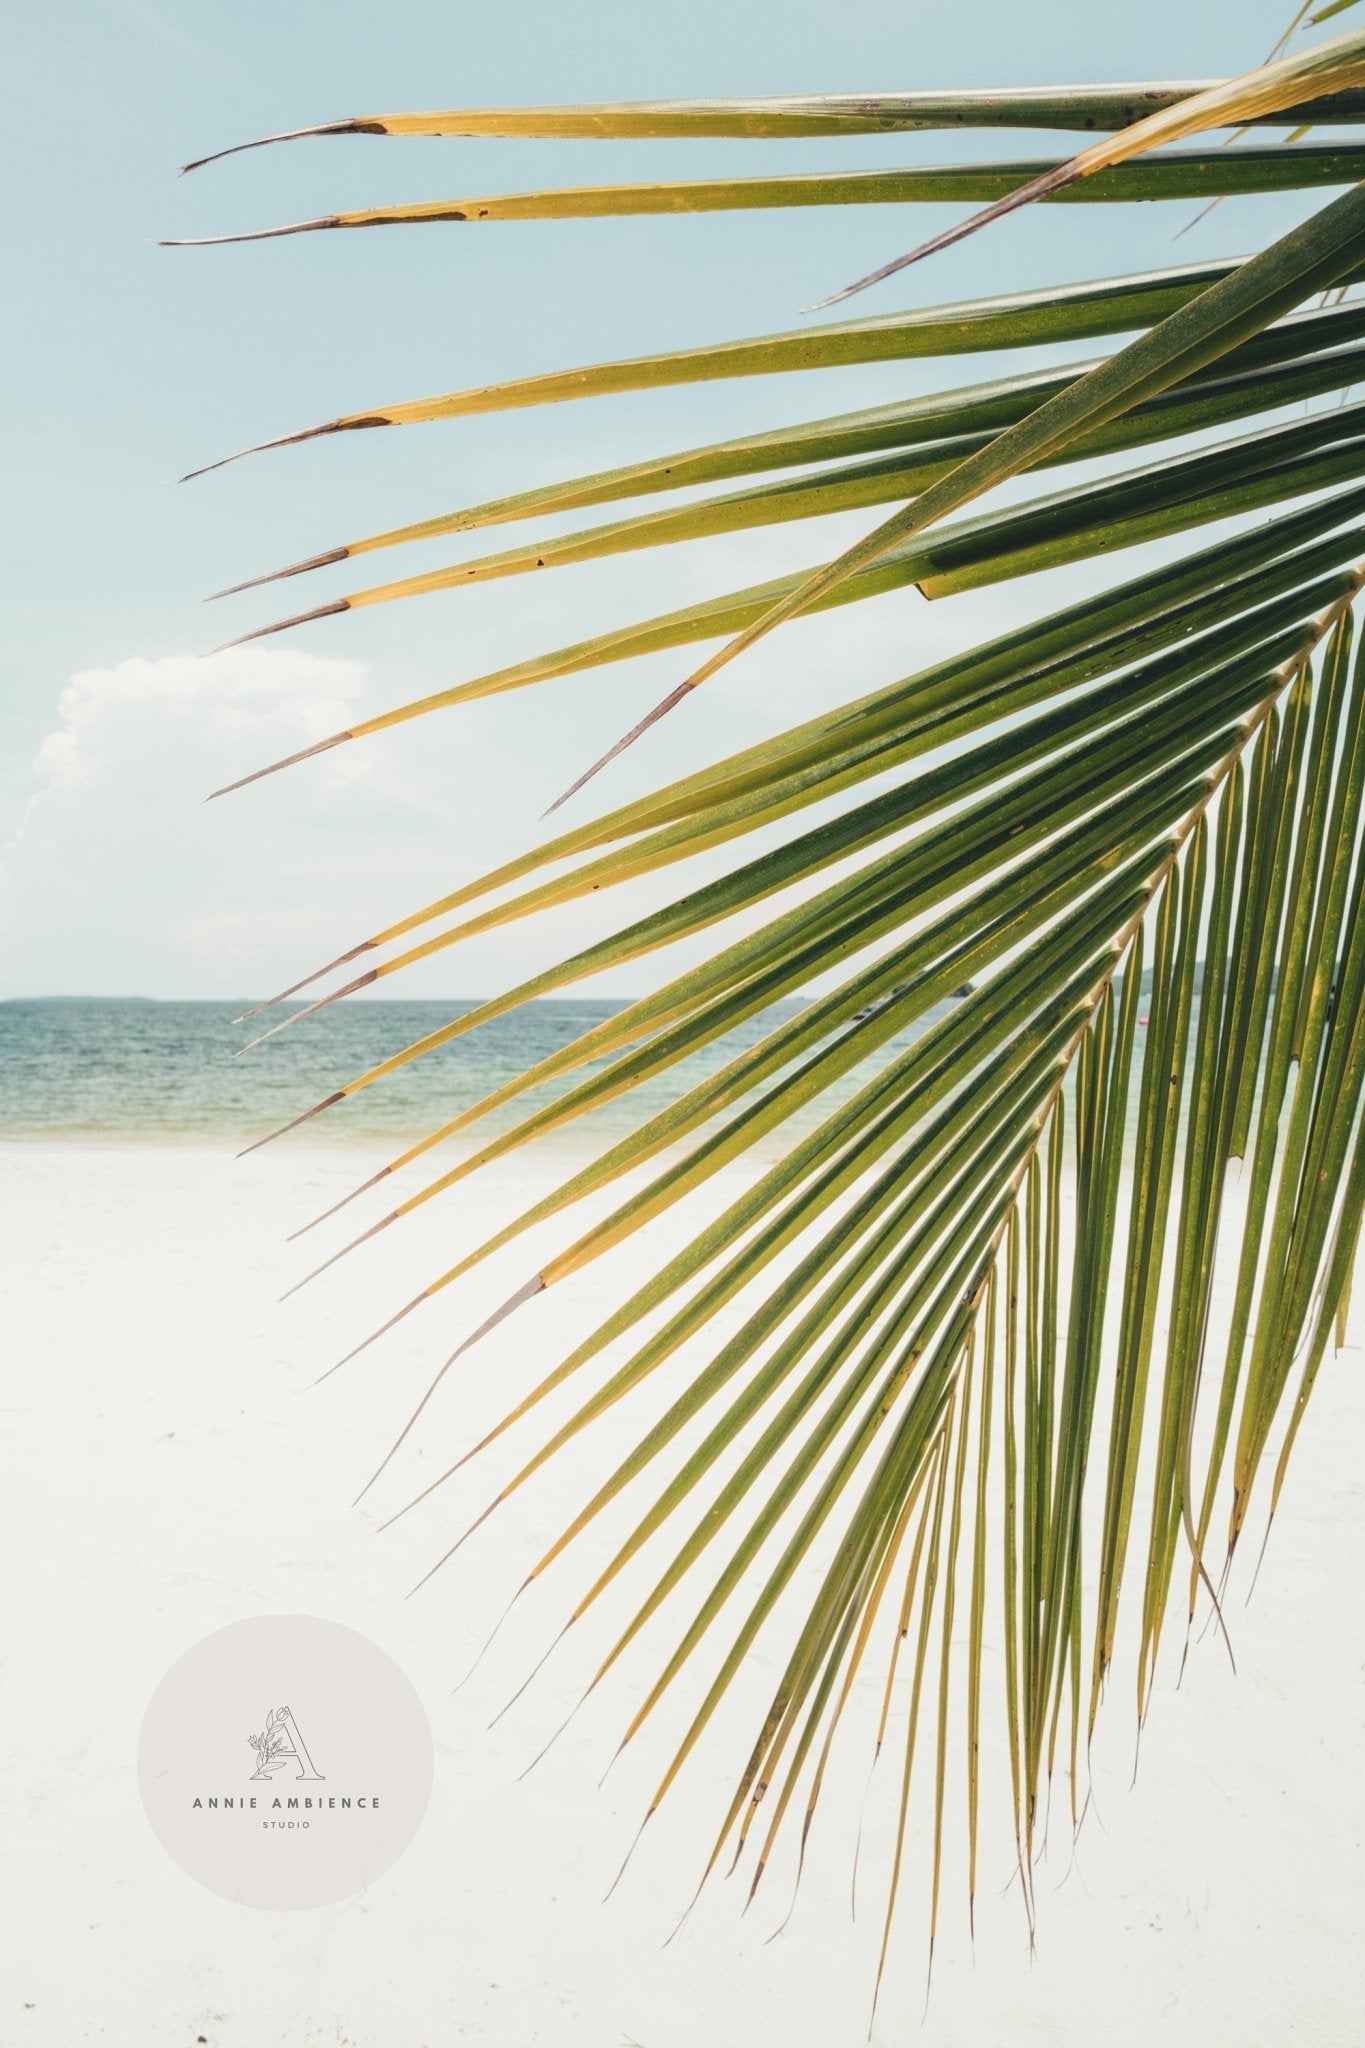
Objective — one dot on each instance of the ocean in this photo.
(120, 1070)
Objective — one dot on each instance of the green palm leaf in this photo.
(1056, 1185)
(1078, 107)
(1179, 174)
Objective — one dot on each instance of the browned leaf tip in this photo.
(458, 1544)
(323, 561)
(322, 611)
(342, 960)
(1037, 188)
(356, 127)
(526, 1292)
(660, 710)
(373, 1231)
(289, 761)
(363, 1189)
(346, 426)
(338, 1095)
(374, 1336)
(310, 1009)
(295, 227)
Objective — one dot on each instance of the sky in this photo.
(128, 364)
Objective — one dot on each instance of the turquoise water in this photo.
(123, 1070)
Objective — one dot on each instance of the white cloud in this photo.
(120, 879)
(264, 697)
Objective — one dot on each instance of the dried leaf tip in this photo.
(637, 731)
(296, 227)
(288, 761)
(343, 426)
(350, 127)
(338, 1095)
(322, 561)
(1037, 188)
(322, 611)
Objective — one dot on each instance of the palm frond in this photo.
(1309, 354)
(1283, 82)
(1056, 1181)
(1113, 305)
(1178, 174)
(1076, 107)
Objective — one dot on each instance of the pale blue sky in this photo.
(128, 364)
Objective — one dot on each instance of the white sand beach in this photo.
(169, 1468)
